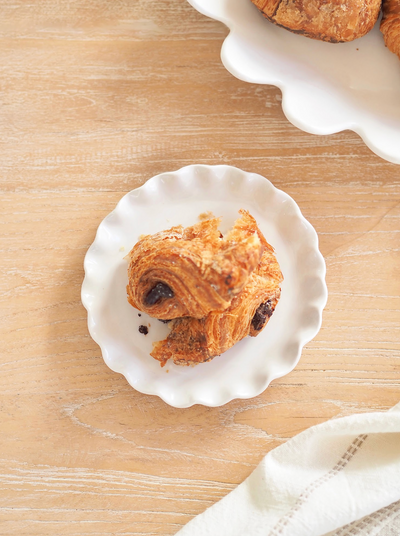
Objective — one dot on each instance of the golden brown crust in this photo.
(202, 271)
(194, 341)
(390, 25)
(336, 21)
(268, 7)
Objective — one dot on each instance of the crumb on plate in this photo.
(143, 329)
(206, 216)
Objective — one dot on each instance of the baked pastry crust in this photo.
(193, 341)
(190, 272)
(390, 25)
(336, 21)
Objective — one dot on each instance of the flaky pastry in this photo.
(190, 272)
(390, 25)
(194, 341)
(335, 21)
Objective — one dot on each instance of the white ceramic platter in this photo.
(325, 87)
(179, 198)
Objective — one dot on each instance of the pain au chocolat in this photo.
(336, 21)
(390, 25)
(193, 341)
(188, 272)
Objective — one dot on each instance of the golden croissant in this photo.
(194, 341)
(390, 25)
(336, 21)
(190, 272)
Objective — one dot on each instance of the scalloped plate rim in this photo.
(288, 110)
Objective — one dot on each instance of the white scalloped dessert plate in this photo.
(180, 197)
(326, 87)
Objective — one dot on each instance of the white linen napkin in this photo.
(384, 522)
(318, 482)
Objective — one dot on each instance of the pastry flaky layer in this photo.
(193, 341)
(336, 21)
(192, 271)
(390, 25)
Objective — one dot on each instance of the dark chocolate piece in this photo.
(263, 312)
(157, 293)
(144, 330)
(228, 279)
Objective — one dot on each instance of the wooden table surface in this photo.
(96, 98)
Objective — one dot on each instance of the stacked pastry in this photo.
(213, 290)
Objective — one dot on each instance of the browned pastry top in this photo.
(190, 272)
(194, 341)
(333, 20)
(390, 25)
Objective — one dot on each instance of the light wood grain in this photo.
(97, 97)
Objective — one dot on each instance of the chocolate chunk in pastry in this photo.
(190, 272)
(261, 316)
(390, 25)
(194, 341)
(336, 21)
(157, 293)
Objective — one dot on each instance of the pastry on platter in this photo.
(190, 272)
(390, 25)
(336, 21)
(194, 341)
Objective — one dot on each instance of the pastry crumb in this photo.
(206, 216)
(122, 248)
